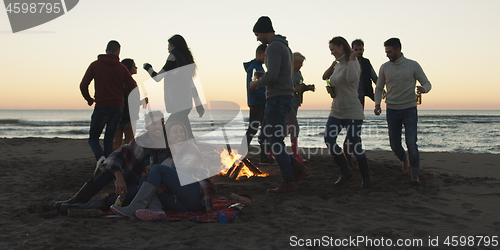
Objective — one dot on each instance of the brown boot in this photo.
(345, 171)
(299, 171)
(286, 186)
(365, 173)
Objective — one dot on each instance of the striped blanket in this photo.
(221, 205)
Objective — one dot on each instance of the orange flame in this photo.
(228, 160)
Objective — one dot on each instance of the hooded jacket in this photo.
(258, 96)
(112, 81)
(279, 63)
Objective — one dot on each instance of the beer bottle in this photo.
(332, 93)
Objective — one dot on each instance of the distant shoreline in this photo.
(245, 108)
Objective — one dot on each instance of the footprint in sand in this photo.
(420, 234)
(467, 206)
(475, 212)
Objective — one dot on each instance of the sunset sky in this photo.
(454, 42)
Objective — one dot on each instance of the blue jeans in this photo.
(353, 136)
(255, 120)
(395, 121)
(109, 117)
(274, 129)
(185, 198)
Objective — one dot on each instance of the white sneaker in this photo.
(99, 164)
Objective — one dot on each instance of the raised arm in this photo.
(170, 64)
(329, 71)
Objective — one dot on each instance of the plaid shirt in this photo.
(132, 160)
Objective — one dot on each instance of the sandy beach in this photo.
(459, 195)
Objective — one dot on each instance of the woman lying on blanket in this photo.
(183, 186)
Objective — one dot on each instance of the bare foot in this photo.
(406, 166)
(415, 179)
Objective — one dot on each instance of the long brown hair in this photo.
(179, 43)
(337, 41)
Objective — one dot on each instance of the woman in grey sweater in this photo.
(346, 111)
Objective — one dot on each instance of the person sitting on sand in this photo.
(181, 186)
(126, 165)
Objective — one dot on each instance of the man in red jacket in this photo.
(111, 81)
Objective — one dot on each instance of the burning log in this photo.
(251, 167)
(237, 168)
(244, 163)
(231, 170)
(236, 171)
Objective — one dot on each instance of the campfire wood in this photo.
(235, 170)
(252, 167)
(231, 170)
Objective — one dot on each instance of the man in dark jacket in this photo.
(110, 77)
(365, 87)
(368, 75)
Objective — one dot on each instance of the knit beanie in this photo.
(263, 25)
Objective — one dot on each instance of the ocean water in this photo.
(438, 131)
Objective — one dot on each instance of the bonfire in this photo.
(238, 167)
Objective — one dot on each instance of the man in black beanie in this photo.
(278, 80)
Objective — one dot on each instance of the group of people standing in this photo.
(144, 170)
(350, 76)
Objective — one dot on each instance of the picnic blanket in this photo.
(220, 206)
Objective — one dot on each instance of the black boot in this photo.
(345, 172)
(83, 196)
(103, 205)
(365, 173)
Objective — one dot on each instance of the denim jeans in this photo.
(353, 136)
(176, 198)
(105, 116)
(255, 120)
(395, 121)
(274, 128)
